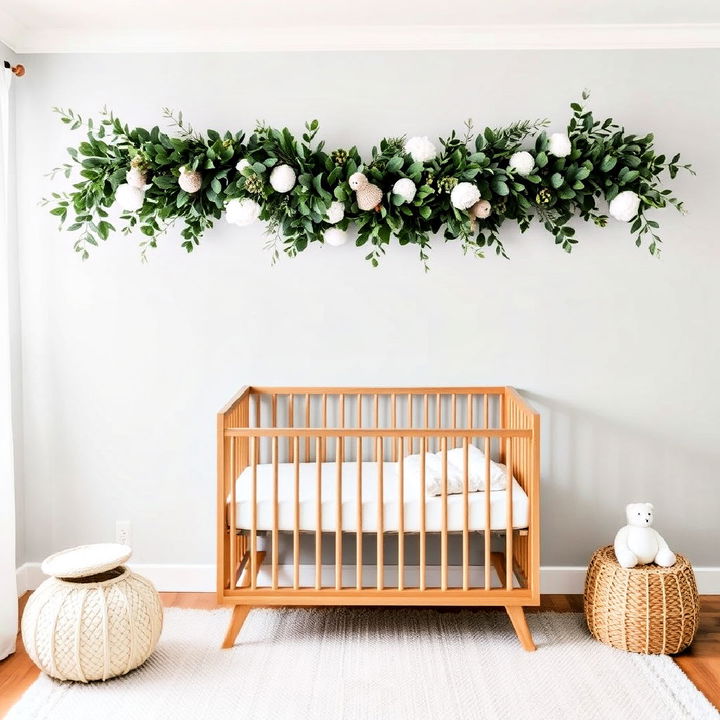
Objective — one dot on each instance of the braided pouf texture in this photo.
(646, 609)
(92, 628)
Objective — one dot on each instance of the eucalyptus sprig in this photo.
(602, 161)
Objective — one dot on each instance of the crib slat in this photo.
(307, 425)
(410, 421)
(400, 454)
(438, 415)
(338, 513)
(453, 412)
(380, 517)
(423, 450)
(324, 423)
(296, 519)
(393, 402)
(318, 514)
(508, 518)
(253, 515)
(487, 537)
(469, 411)
(291, 423)
(233, 523)
(444, 519)
(358, 516)
(465, 534)
(275, 534)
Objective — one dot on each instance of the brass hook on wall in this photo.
(17, 70)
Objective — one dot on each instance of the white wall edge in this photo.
(369, 38)
(554, 579)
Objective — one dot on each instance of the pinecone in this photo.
(253, 185)
(543, 197)
(446, 184)
(339, 157)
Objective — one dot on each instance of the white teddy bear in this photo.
(637, 543)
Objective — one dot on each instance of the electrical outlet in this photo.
(122, 532)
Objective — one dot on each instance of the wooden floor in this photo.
(701, 662)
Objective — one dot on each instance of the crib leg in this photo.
(519, 623)
(240, 612)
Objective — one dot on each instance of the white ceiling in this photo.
(227, 25)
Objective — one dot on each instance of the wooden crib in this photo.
(314, 507)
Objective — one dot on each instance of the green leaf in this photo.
(608, 163)
(556, 180)
(499, 187)
(394, 164)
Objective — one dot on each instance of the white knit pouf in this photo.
(94, 619)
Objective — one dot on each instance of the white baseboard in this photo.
(554, 579)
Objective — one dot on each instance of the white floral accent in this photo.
(242, 164)
(522, 163)
(335, 237)
(421, 149)
(624, 207)
(242, 212)
(406, 189)
(559, 145)
(282, 178)
(129, 197)
(464, 195)
(136, 177)
(336, 212)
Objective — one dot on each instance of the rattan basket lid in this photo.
(86, 560)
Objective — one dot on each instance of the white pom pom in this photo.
(242, 164)
(129, 197)
(282, 178)
(336, 212)
(464, 195)
(335, 237)
(624, 207)
(189, 180)
(242, 212)
(405, 188)
(420, 149)
(522, 163)
(559, 145)
(136, 177)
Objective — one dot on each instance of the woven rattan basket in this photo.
(646, 609)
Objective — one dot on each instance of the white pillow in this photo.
(455, 471)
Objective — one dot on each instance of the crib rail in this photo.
(371, 427)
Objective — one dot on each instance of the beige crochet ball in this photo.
(96, 621)
(481, 209)
(190, 180)
(368, 196)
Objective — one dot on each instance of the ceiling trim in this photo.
(365, 38)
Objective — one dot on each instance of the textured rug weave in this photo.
(387, 664)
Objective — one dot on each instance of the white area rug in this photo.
(377, 664)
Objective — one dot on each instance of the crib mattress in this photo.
(413, 501)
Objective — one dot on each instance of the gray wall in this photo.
(125, 364)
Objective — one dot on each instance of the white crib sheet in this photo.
(414, 496)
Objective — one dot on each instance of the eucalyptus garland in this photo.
(410, 189)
